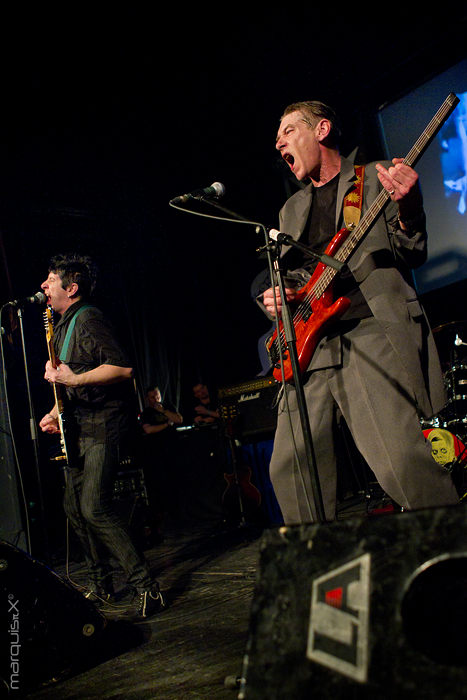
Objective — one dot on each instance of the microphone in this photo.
(38, 298)
(215, 191)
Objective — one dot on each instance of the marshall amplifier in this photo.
(360, 609)
(250, 408)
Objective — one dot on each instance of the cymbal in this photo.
(452, 327)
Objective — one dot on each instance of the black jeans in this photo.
(89, 506)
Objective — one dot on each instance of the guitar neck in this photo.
(431, 130)
(411, 159)
(52, 358)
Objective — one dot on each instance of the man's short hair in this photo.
(312, 112)
(75, 268)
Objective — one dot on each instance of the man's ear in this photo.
(72, 290)
(323, 129)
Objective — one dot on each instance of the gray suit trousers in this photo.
(373, 391)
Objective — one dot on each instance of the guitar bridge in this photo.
(274, 352)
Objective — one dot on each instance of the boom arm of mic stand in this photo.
(279, 237)
(288, 240)
(238, 217)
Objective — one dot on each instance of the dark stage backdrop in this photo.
(442, 170)
(179, 300)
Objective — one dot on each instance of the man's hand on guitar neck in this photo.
(60, 375)
(402, 183)
(268, 300)
(99, 376)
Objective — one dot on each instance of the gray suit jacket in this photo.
(382, 265)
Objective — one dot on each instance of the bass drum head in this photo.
(445, 446)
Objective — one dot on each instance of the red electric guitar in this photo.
(314, 308)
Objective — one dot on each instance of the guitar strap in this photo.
(69, 331)
(353, 201)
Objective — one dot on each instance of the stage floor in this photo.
(189, 649)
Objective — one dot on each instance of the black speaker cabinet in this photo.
(47, 625)
(369, 608)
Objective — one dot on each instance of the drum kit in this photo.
(447, 431)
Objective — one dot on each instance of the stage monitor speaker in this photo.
(47, 625)
(250, 407)
(361, 609)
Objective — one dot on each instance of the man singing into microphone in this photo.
(377, 365)
(96, 377)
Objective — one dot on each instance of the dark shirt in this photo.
(318, 235)
(97, 413)
(150, 416)
(209, 406)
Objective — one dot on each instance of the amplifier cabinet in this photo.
(250, 408)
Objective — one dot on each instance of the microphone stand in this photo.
(34, 438)
(317, 513)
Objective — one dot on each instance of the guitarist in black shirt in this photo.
(96, 375)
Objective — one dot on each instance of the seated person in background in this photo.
(205, 410)
(157, 418)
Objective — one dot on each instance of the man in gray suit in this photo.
(378, 364)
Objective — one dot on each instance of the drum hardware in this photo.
(456, 385)
(446, 420)
(434, 422)
(458, 341)
(458, 427)
(449, 328)
(455, 378)
(448, 339)
(449, 342)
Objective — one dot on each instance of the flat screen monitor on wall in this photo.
(442, 170)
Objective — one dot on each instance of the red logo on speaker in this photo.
(335, 597)
(338, 631)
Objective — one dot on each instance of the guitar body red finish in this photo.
(313, 312)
